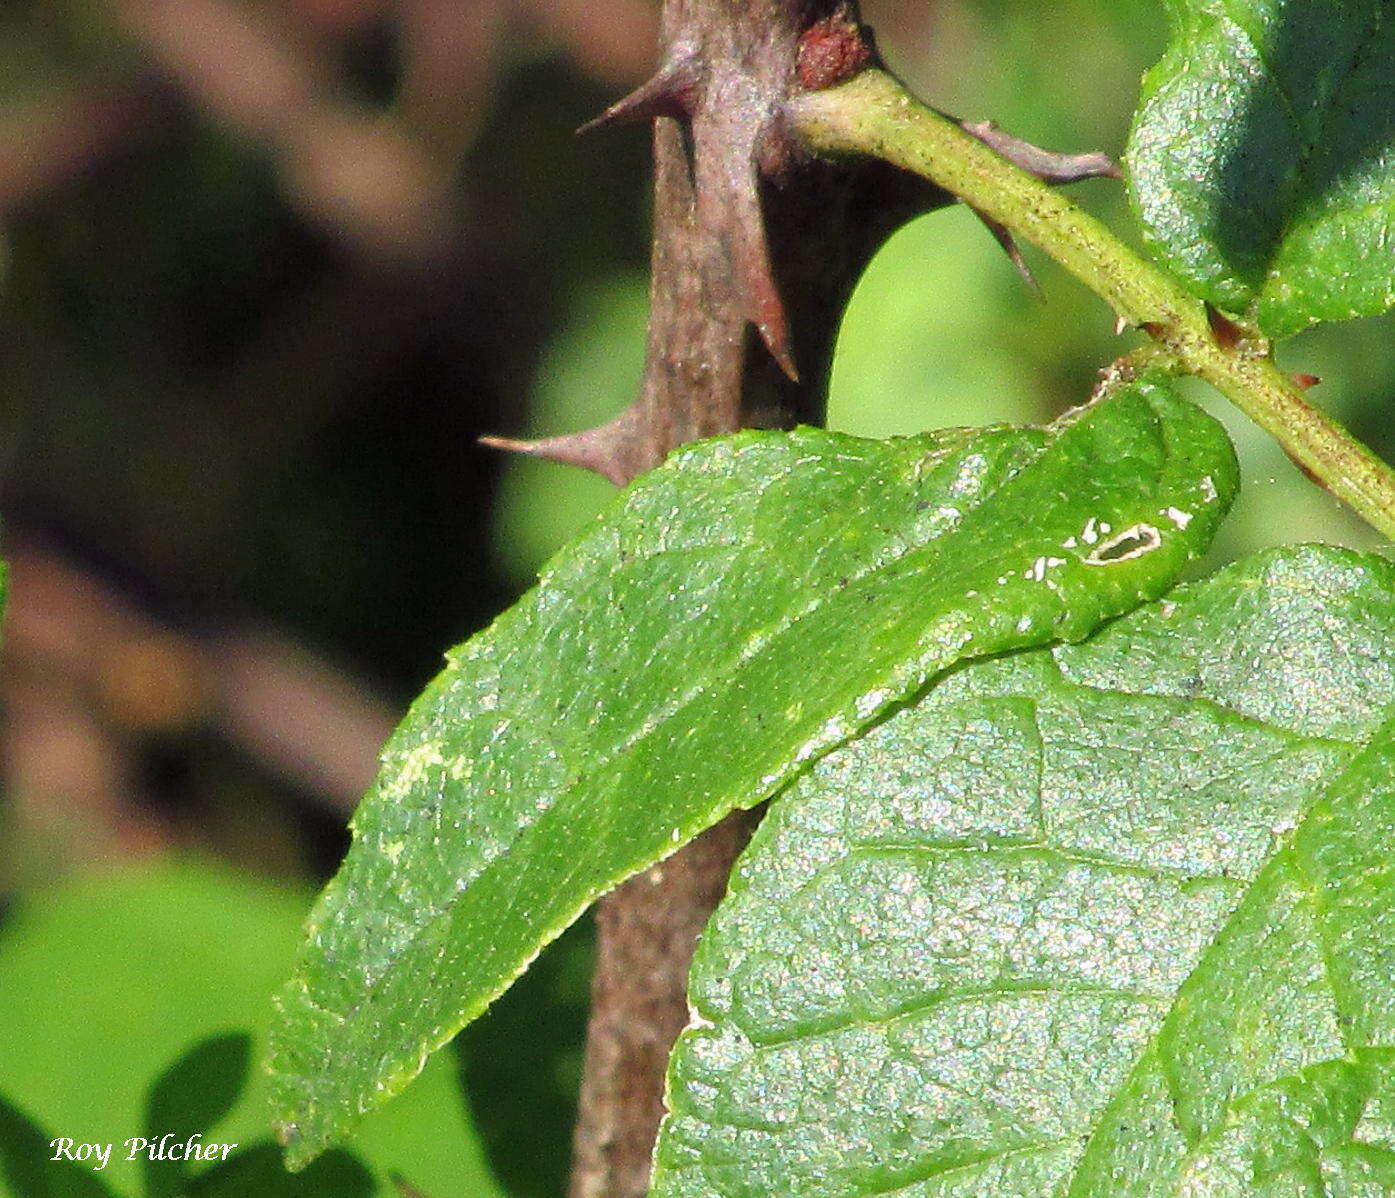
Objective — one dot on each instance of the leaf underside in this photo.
(1114, 918)
(1262, 159)
(734, 615)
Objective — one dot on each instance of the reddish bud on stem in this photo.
(831, 52)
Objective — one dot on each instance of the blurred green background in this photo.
(266, 271)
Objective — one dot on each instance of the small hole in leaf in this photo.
(1131, 543)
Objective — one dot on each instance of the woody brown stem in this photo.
(748, 233)
(645, 935)
(757, 246)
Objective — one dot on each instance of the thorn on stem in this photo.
(750, 257)
(1227, 333)
(1046, 165)
(733, 207)
(592, 449)
(1122, 325)
(1305, 382)
(670, 91)
(1012, 249)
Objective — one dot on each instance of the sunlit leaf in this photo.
(1262, 159)
(1117, 918)
(731, 617)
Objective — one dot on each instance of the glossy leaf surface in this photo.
(731, 617)
(1114, 918)
(1262, 160)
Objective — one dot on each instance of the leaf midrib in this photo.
(758, 643)
(1299, 190)
(1283, 857)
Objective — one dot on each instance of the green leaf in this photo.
(1114, 918)
(732, 616)
(1262, 159)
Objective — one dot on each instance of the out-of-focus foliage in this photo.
(597, 356)
(107, 983)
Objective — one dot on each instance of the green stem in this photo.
(873, 115)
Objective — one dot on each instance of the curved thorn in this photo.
(1227, 333)
(668, 92)
(750, 256)
(1013, 251)
(1046, 165)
